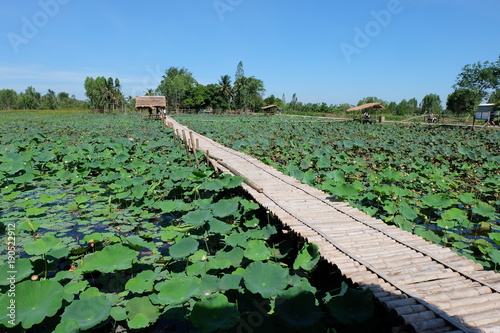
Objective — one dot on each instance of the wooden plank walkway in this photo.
(431, 288)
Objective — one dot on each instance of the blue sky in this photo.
(332, 51)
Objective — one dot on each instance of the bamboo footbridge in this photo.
(432, 289)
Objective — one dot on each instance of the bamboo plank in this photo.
(458, 294)
(470, 301)
(482, 318)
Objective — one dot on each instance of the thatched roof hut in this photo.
(270, 108)
(367, 106)
(150, 102)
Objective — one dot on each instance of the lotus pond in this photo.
(441, 183)
(108, 226)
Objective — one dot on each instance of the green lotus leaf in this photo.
(90, 292)
(225, 207)
(118, 313)
(28, 177)
(197, 269)
(34, 301)
(230, 281)
(178, 290)
(123, 195)
(308, 257)
(297, 307)
(183, 248)
(336, 175)
(75, 287)
(213, 314)
(454, 214)
(200, 255)
(225, 181)
(446, 224)
(141, 282)
(139, 321)
(237, 239)
(257, 250)
(96, 237)
(390, 207)
(12, 165)
(351, 306)
(408, 212)
(344, 190)
(494, 254)
(141, 306)
(403, 223)
(139, 190)
(249, 205)
(467, 198)
(428, 235)
(81, 199)
(218, 264)
(111, 258)
(267, 279)
(171, 206)
(30, 226)
(138, 243)
(309, 177)
(234, 256)
(219, 227)
(262, 233)
(483, 245)
(324, 162)
(88, 312)
(495, 236)
(485, 210)
(23, 268)
(305, 164)
(67, 326)
(169, 233)
(34, 211)
(438, 201)
(215, 185)
(197, 218)
(209, 285)
(48, 245)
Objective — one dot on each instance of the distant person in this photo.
(432, 118)
(491, 119)
(367, 115)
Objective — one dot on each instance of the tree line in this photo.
(476, 83)
(30, 99)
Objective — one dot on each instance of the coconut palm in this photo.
(226, 89)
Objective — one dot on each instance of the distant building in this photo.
(271, 108)
(488, 107)
(150, 103)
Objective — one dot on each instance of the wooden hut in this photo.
(372, 106)
(270, 108)
(150, 104)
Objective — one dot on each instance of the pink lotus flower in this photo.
(130, 139)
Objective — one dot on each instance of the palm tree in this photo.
(226, 89)
(149, 92)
